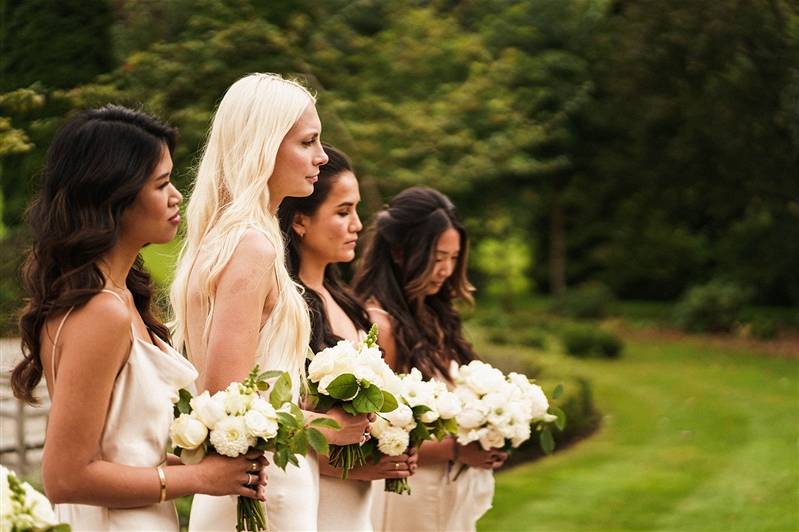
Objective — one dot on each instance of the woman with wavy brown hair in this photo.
(89, 330)
(412, 272)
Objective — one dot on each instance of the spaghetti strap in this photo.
(55, 341)
(376, 309)
(115, 295)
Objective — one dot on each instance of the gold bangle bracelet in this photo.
(162, 480)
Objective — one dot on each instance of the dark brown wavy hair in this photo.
(395, 270)
(96, 165)
(322, 335)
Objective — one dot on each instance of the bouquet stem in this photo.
(250, 516)
(398, 485)
(346, 457)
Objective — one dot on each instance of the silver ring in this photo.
(249, 479)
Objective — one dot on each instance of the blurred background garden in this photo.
(628, 171)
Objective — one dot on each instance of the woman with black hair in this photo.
(411, 274)
(322, 230)
(89, 330)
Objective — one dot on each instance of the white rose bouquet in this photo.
(232, 421)
(426, 409)
(501, 411)
(24, 508)
(356, 378)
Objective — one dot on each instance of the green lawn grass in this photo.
(693, 438)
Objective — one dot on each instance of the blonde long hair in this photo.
(230, 195)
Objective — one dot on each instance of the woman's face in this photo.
(153, 218)
(331, 233)
(447, 251)
(298, 159)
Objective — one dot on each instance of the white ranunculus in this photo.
(259, 425)
(491, 438)
(208, 409)
(236, 403)
(192, 456)
(230, 438)
(472, 416)
(400, 416)
(187, 432)
(393, 441)
(448, 405)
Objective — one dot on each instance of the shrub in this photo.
(589, 300)
(762, 329)
(714, 307)
(585, 340)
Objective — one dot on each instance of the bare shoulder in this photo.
(379, 316)
(255, 248)
(101, 327)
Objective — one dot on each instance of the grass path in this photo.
(693, 438)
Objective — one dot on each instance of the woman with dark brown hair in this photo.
(413, 271)
(89, 330)
(321, 231)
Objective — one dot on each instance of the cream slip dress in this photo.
(136, 431)
(345, 505)
(436, 502)
(292, 496)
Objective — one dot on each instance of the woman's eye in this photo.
(308, 143)
(164, 185)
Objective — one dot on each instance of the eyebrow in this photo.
(164, 175)
(345, 204)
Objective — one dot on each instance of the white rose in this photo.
(187, 432)
(40, 507)
(260, 405)
(470, 417)
(466, 395)
(417, 392)
(491, 438)
(321, 364)
(377, 427)
(393, 441)
(209, 410)
(230, 438)
(498, 408)
(465, 436)
(448, 405)
(400, 416)
(259, 425)
(192, 456)
(429, 416)
(538, 402)
(521, 434)
(485, 379)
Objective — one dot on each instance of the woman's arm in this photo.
(240, 297)
(401, 466)
(71, 469)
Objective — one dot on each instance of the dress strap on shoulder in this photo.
(115, 295)
(378, 309)
(55, 341)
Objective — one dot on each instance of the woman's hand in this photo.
(244, 475)
(353, 429)
(473, 455)
(401, 466)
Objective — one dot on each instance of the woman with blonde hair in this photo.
(235, 304)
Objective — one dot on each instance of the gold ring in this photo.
(254, 466)
(396, 465)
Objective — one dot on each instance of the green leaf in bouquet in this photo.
(418, 410)
(299, 442)
(325, 403)
(439, 431)
(281, 392)
(261, 444)
(348, 408)
(296, 411)
(389, 402)
(344, 387)
(287, 420)
(558, 391)
(325, 422)
(281, 457)
(450, 425)
(419, 434)
(547, 441)
(183, 406)
(293, 460)
(368, 400)
(63, 527)
(317, 441)
(262, 386)
(561, 421)
(371, 338)
(271, 374)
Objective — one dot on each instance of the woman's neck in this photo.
(116, 264)
(312, 272)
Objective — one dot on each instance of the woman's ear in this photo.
(299, 224)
